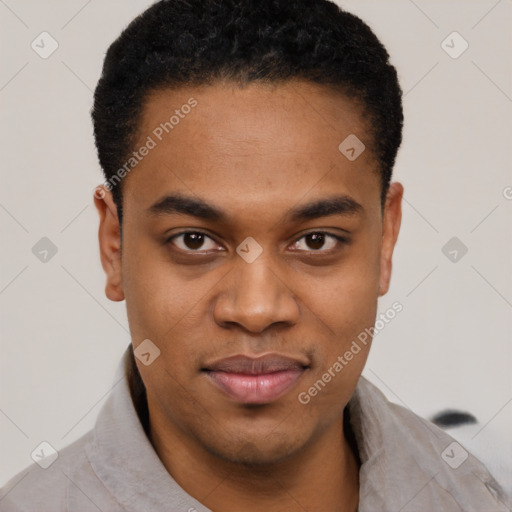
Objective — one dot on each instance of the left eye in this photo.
(317, 241)
(193, 241)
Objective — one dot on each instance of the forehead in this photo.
(229, 112)
(260, 142)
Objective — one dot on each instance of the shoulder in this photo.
(406, 457)
(43, 484)
(66, 483)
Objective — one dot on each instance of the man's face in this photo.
(259, 158)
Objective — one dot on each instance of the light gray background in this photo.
(61, 338)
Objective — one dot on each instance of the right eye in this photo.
(193, 241)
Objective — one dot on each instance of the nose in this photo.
(256, 296)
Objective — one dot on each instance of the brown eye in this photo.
(315, 241)
(318, 241)
(192, 241)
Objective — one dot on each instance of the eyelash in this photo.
(340, 239)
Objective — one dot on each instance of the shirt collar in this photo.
(124, 460)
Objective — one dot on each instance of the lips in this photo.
(259, 380)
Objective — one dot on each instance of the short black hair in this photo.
(176, 43)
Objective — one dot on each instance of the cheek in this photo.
(345, 297)
(343, 304)
(347, 304)
(169, 308)
(157, 297)
(343, 314)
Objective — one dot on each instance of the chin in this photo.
(260, 451)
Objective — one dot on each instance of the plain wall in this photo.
(61, 338)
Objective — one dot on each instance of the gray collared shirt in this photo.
(407, 465)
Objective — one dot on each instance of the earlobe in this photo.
(109, 237)
(392, 218)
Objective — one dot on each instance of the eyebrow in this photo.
(178, 204)
(338, 205)
(186, 205)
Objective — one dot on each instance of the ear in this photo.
(109, 236)
(392, 217)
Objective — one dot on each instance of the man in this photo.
(248, 219)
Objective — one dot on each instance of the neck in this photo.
(324, 476)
